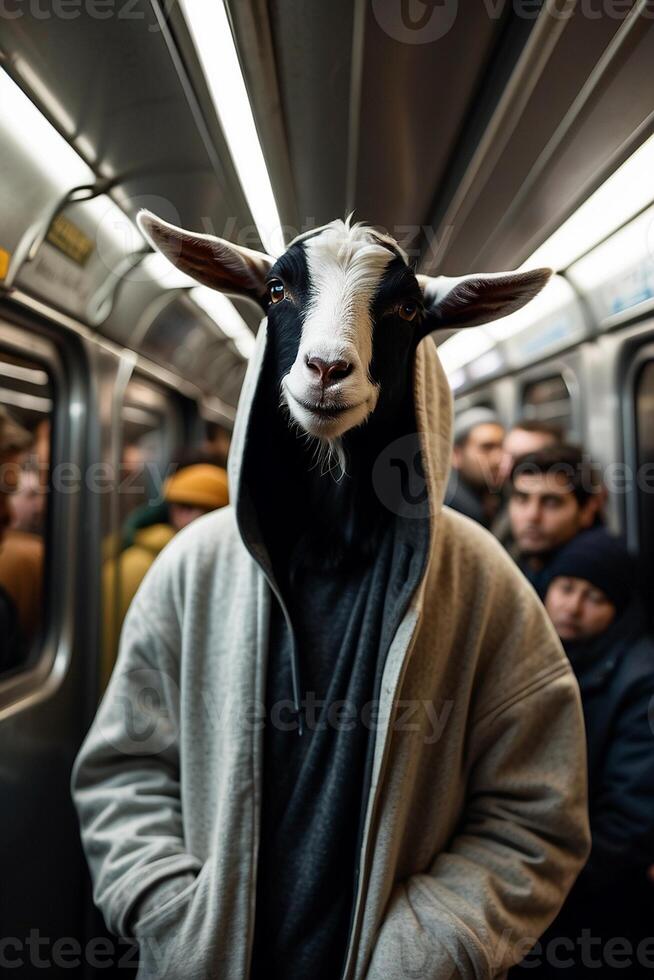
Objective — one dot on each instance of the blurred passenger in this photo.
(133, 478)
(589, 595)
(28, 503)
(192, 456)
(142, 517)
(14, 440)
(21, 577)
(41, 448)
(217, 441)
(476, 456)
(554, 495)
(524, 436)
(194, 491)
(133, 461)
(157, 511)
(188, 494)
(527, 436)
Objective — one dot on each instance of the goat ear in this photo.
(212, 261)
(472, 300)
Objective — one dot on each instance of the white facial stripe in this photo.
(346, 266)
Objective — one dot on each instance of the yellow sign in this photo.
(70, 240)
(4, 263)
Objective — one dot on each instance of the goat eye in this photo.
(276, 290)
(408, 310)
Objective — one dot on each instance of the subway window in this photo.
(548, 400)
(148, 441)
(26, 402)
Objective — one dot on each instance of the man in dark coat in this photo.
(473, 486)
(607, 923)
(525, 436)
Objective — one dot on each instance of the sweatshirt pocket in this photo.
(173, 940)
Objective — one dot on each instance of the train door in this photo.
(86, 441)
(42, 677)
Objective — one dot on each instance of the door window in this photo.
(150, 435)
(548, 400)
(26, 404)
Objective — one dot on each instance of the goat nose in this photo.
(328, 372)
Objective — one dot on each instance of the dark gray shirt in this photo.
(315, 784)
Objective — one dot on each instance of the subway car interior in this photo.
(485, 137)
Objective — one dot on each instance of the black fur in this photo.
(311, 517)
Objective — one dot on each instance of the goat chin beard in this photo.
(324, 436)
(323, 425)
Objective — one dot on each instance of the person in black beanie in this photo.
(607, 923)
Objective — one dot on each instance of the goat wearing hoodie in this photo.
(430, 819)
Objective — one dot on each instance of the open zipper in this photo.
(363, 864)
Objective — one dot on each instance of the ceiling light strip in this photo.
(212, 35)
(621, 197)
(589, 88)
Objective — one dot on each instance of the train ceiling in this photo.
(471, 145)
(488, 136)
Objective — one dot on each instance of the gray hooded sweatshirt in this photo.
(474, 821)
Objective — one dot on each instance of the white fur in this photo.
(346, 265)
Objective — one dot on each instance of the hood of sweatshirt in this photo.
(409, 476)
(343, 278)
(323, 504)
(341, 620)
(405, 476)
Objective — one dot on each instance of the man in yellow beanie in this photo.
(194, 491)
(189, 493)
